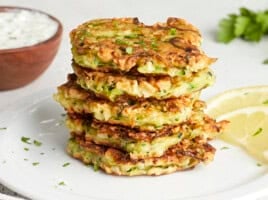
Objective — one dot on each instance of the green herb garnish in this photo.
(259, 164)
(25, 159)
(265, 61)
(25, 140)
(257, 132)
(224, 148)
(26, 149)
(35, 163)
(3, 128)
(248, 25)
(96, 168)
(265, 102)
(172, 31)
(129, 50)
(37, 143)
(61, 183)
(121, 41)
(154, 45)
(65, 164)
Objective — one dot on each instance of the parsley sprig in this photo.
(248, 25)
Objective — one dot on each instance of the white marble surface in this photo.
(73, 12)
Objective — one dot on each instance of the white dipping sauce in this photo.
(21, 28)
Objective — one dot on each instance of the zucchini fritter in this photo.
(122, 44)
(143, 144)
(146, 115)
(184, 155)
(112, 86)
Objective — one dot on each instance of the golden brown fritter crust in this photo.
(185, 155)
(146, 115)
(207, 127)
(142, 144)
(113, 85)
(125, 43)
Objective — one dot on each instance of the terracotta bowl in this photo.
(20, 66)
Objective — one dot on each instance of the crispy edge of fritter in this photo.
(202, 123)
(113, 85)
(183, 156)
(180, 51)
(172, 105)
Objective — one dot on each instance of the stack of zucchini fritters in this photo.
(133, 101)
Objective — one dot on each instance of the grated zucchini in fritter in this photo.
(124, 44)
(146, 115)
(112, 86)
(184, 155)
(142, 144)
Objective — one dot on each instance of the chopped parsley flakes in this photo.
(37, 143)
(3, 128)
(25, 140)
(26, 149)
(265, 61)
(35, 163)
(172, 31)
(61, 183)
(224, 148)
(266, 101)
(65, 164)
(257, 132)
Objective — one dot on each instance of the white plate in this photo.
(232, 174)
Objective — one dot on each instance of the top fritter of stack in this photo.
(125, 57)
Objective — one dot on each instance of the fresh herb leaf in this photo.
(248, 25)
(96, 168)
(224, 148)
(129, 50)
(25, 140)
(259, 164)
(226, 30)
(265, 61)
(241, 24)
(26, 149)
(172, 31)
(35, 163)
(154, 45)
(121, 41)
(253, 33)
(3, 128)
(65, 164)
(25, 159)
(37, 143)
(257, 132)
(61, 183)
(265, 102)
(262, 18)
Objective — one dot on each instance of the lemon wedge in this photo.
(236, 99)
(248, 128)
